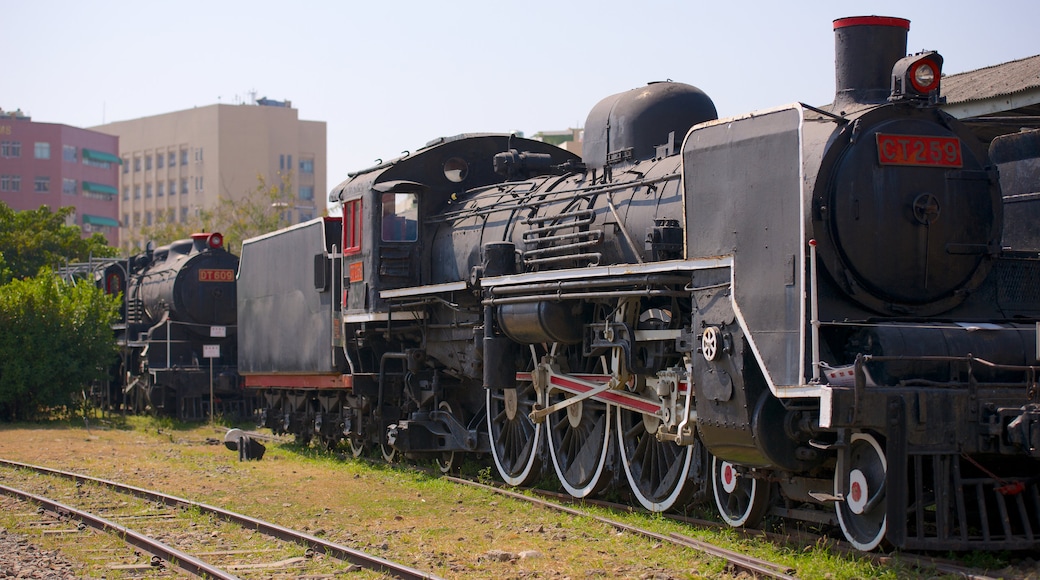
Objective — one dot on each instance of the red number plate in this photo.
(919, 150)
(213, 275)
(357, 272)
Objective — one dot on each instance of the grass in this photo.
(402, 513)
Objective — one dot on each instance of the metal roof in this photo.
(1007, 88)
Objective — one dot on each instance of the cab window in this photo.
(400, 217)
(352, 227)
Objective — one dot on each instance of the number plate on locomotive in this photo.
(919, 150)
(215, 275)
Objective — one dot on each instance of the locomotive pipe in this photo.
(593, 257)
(624, 230)
(814, 304)
(585, 296)
(583, 192)
(594, 283)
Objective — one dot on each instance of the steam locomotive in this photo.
(805, 312)
(177, 330)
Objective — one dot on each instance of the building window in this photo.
(137, 218)
(198, 183)
(307, 166)
(137, 192)
(159, 160)
(173, 187)
(288, 162)
(126, 165)
(184, 186)
(172, 159)
(126, 219)
(10, 182)
(42, 184)
(160, 187)
(137, 164)
(68, 153)
(184, 156)
(184, 215)
(126, 193)
(281, 163)
(147, 218)
(198, 155)
(10, 149)
(148, 190)
(147, 162)
(43, 151)
(306, 192)
(68, 186)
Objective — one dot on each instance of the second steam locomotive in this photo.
(808, 312)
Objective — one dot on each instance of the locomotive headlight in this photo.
(917, 77)
(924, 76)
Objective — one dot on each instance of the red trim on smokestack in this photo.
(872, 21)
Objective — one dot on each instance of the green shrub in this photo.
(55, 339)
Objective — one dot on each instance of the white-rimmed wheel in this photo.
(357, 446)
(742, 501)
(515, 438)
(579, 440)
(448, 460)
(388, 452)
(658, 472)
(862, 514)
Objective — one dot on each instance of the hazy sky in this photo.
(388, 76)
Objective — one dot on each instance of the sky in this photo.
(390, 76)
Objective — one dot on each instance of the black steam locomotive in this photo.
(177, 330)
(807, 312)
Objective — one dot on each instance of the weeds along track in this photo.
(200, 539)
(756, 567)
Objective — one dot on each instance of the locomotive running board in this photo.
(595, 386)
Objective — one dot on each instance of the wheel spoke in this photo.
(579, 441)
(658, 472)
(742, 501)
(515, 439)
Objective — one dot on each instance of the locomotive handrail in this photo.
(969, 358)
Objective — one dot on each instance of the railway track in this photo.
(192, 563)
(757, 567)
(924, 563)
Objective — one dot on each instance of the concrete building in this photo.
(58, 165)
(176, 164)
(569, 139)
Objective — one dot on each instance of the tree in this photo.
(55, 338)
(32, 239)
(261, 210)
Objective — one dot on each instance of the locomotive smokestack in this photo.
(865, 50)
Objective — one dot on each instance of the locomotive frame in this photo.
(807, 312)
